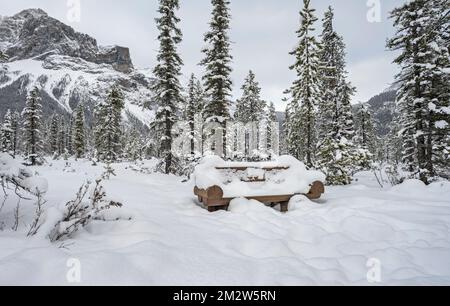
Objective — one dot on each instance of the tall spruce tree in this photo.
(271, 118)
(332, 68)
(79, 133)
(3, 59)
(32, 115)
(167, 87)
(62, 136)
(7, 133)
(69, 136)
(217, 63)
(54, 134)
(423, 98)
(337, 155)
(250, 107)
(134, 145)
(108, 130)
(195, 102)
(439, 89)
(394, 143)
(302, 137)
(15, 133)
(365, 129)
(346, 121)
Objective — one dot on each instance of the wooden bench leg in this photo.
(217, 208)
(284, 207)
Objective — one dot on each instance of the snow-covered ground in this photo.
(171, 240)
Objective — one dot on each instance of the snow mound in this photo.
(301, 203)
(244, 206)
(9, 168)
(410, 186)
(35, 185)
(418, 189)
(294, 180)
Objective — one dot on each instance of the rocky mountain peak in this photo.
(33, 33)
(31, 13)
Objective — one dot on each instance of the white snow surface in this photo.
(172, 240)
(295, 180)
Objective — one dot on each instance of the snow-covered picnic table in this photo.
(217, 182)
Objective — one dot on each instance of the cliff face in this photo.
(32, 32)
(69, 67)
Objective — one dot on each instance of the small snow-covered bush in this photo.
(108, 171)
(181, 166)
(79, 212)
(12, 173)
(21, 182)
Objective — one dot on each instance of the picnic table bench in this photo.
(213, 196)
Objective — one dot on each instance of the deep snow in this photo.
(171, 240)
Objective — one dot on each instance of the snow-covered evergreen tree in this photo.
(439, 89)
(54, 134)
(134, 146)
(423, 98)
(3, 57)
(108, 126)
(302, 136)
(79, 133)
(62, 136)
(331, 71)
(217, 63)
(271, 117)
(7, 133)
(337, 154)
(195, 102)
(250, 107)
(167, 87)
(394, 149)
(366, 136)
(69, 135)
(32, 115)
(346, 121)
(15, 119)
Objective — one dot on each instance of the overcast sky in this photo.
(263, 33)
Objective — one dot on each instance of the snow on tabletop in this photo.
(294, 180)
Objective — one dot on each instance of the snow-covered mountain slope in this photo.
(32, 32)
(383, 108)
(68, 66)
